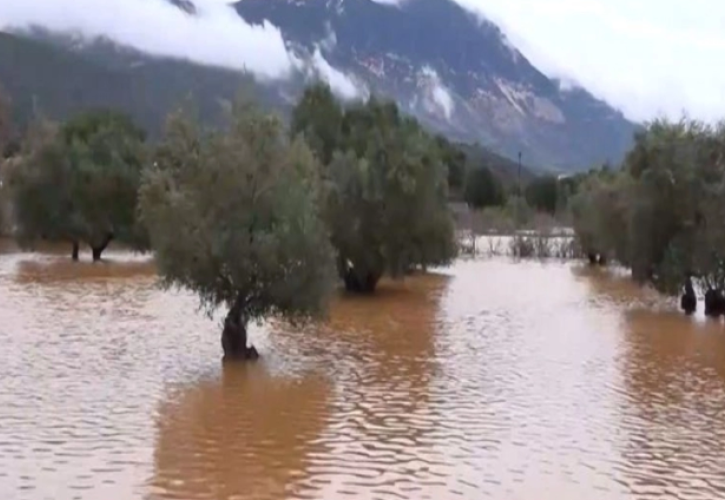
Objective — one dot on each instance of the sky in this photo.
(646, 57)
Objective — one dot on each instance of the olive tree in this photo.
(455, 159)
(233, 216)
(542, 193)
(78, 182)
(671, 165)
(600, 217)
(482, 189)
(385, 188)
(40, 189)
(662, 214)
(318, 117)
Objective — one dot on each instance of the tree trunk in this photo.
(714, 303)
(76, 251)
(688, 300)
(361, 282)
(98, 250)
(234, 336)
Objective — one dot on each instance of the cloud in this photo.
(343, 85)
(216, 36)
(439, 94)
(647, 57)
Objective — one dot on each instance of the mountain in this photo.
(456, 72)
(59, 78)
(60, 75)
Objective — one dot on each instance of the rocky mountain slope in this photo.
(456, 72)
(56, 77)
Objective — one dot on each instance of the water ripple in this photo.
(492, 380)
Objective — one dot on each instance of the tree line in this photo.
(481, 188)
(662, 215)
(256, 216)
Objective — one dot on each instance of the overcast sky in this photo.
(646, 57)
(216, 36)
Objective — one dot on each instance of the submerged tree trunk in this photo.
(597, 259)
(357, 282)
(76, 251)
(234, 336)
(688, 300)
(714, 303)
(98, 250)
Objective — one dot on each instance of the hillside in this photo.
(46, 74)
(59, 82)
(455, 72)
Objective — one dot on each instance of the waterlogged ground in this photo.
(493, 380)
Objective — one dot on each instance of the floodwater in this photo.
(493, 380)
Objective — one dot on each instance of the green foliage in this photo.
(505, 169)
(233, 216)
(455, 159)
(78, 182)
(5, 122)
(542, 193)
(599, 212)
(662, 215)
(318, 117)
(41, 190)
(482, 189)
(386, 187)
(52, 75)
(5, 130)
(518, 210)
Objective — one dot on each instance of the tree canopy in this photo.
(482, 189)
(4, 141)
(233, 216)
(542, 193)
(386, 187)
(78, 182)
(5, 123)
(455, 159)
(662, 214)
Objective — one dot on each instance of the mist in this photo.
(648, 58)
(215, 36)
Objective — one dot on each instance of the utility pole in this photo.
(519, 194)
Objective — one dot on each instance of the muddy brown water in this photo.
(491, 379)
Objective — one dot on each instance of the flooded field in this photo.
(491, 379)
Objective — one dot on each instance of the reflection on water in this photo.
(495, 380)
(242, 434)
(674, 406)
